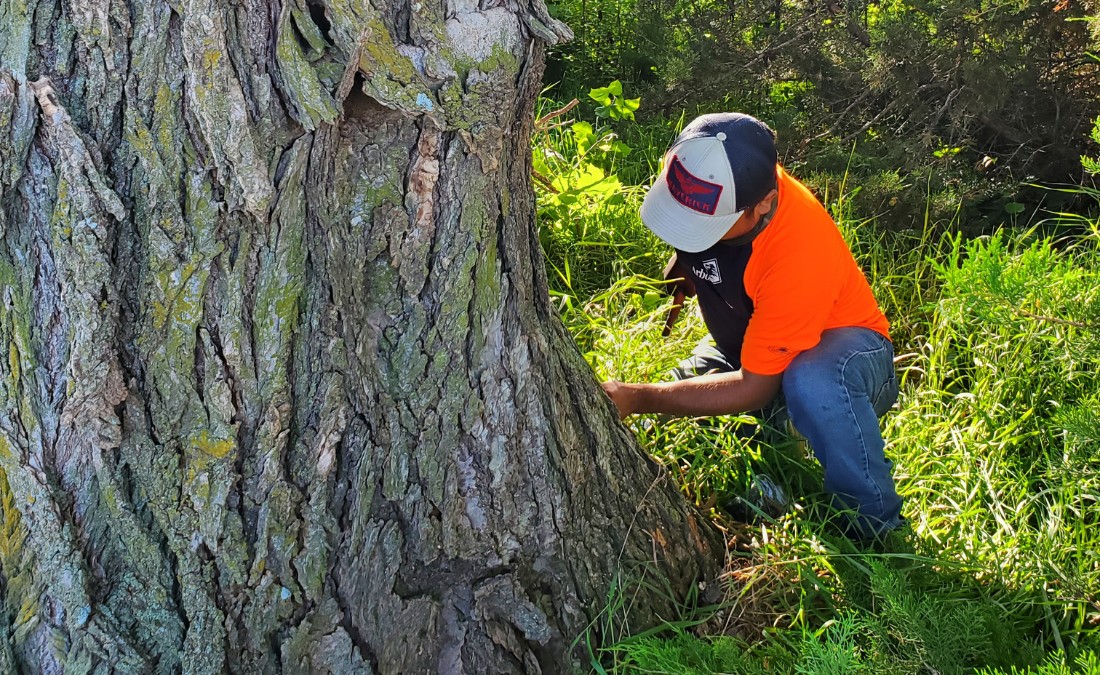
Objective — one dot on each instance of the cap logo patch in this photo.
(692, 191)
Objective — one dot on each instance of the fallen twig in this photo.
(542, 123)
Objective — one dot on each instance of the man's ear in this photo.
(765, 205)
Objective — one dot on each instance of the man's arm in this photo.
(715, 394)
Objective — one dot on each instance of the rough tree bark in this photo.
(282, 390)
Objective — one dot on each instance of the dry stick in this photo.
(1019, 148)
(945, 107)
(763, 53)
(928, 128)
(1039, 150)
(870, 123)
(541, 124)
(772, 50)
(557, 125)
(1064, 322)
(544, 181)
(836, 123)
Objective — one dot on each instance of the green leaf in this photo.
(582, 134)
(621, 148)
(539, 164)
(601, 95)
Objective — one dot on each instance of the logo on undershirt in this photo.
(709, 272)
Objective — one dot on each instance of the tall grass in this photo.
(995, 439)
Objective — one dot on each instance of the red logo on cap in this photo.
(690, 190)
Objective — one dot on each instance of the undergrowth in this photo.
(995, 439)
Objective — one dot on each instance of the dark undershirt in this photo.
(719, 276)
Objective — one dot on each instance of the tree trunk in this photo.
(282, 390)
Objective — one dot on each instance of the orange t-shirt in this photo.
(797, 279)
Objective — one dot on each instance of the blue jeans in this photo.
(835, 394)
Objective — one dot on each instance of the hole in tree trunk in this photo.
(317, 13)
(359, 106)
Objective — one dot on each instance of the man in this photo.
(786, 304)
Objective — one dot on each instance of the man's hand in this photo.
(621, 395)
(681, 287)
(678, 275)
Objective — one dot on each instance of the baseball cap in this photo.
(719, 165)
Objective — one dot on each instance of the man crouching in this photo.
(786, 306)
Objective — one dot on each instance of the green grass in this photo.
(995, 438)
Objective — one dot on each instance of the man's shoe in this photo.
(764, 498)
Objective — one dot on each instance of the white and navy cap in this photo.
(719, 165)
